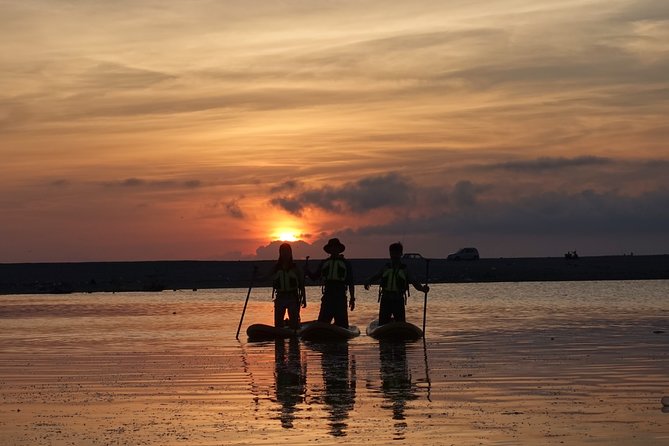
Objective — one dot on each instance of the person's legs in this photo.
(385, 310)
(398, 310)
(279, 311)
(326, 313)
(294, 314)
(340, 311)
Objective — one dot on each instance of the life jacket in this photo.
(285, 280)
(395, 279)
(334, 270)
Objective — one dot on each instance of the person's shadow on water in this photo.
(339, 381)
(290, 376)
(396, 383)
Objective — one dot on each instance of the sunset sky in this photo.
(207, 129)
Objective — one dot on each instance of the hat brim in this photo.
(334, 249)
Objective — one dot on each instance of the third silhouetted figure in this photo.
(394, 280)
(337, 276)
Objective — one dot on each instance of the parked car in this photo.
(412, 255)
(464, 254)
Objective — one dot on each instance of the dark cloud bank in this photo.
(548, 213)
(469, 209)
(389, 190)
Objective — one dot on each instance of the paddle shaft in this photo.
(253, 275)
(427, 276)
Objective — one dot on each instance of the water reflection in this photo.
(290, 375)
(339, 382)
(396, 383)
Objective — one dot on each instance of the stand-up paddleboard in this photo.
(394, 331)
(263, 332)
(320, 331)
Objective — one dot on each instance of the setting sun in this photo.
(286, 235)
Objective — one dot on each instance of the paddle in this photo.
(427, 276)
(427, 367)
(253, 275)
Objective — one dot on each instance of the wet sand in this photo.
(580, 363)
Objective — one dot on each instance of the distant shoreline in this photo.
(60, 278)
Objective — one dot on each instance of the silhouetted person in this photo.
(287, 288)
(394, 279)
(291, 377)
(337, 276)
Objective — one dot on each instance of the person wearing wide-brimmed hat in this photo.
(337, 277)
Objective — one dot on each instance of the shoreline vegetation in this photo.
(92, 277)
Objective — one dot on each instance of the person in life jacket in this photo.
(394, 279)
(287, 288)
(337, 277)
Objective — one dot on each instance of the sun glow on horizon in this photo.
(286, 235)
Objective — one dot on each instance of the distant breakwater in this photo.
(25, 278)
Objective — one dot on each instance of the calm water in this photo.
(504, 363)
